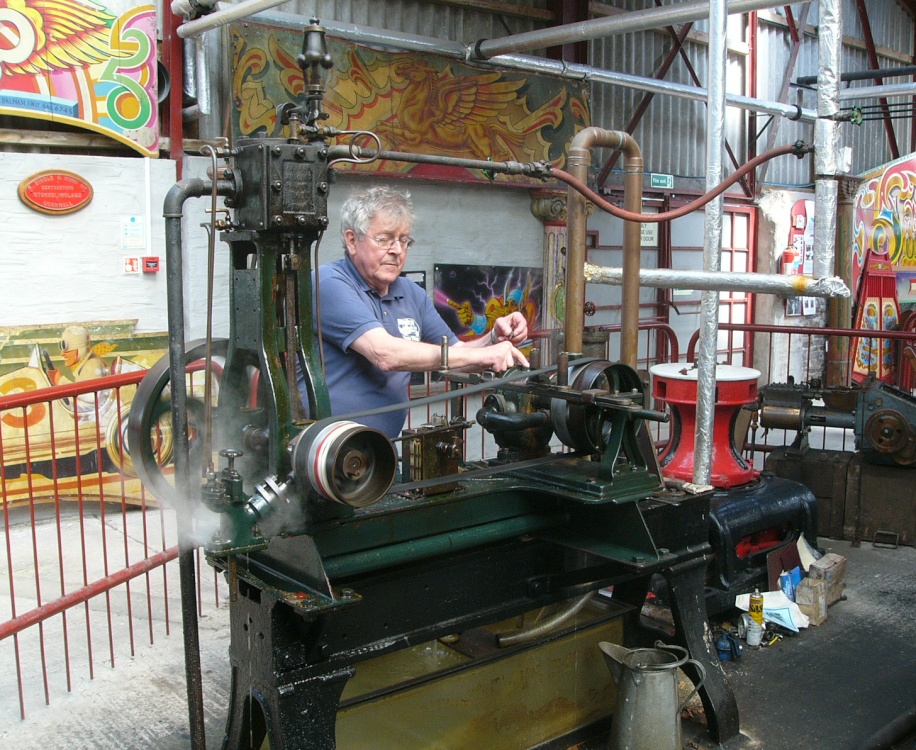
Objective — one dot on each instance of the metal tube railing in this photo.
(57, 564)
(100, 586)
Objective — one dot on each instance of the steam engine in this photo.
(338, 550)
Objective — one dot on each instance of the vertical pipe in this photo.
(577, 164)
(632, 257)
(751, 148)
(827, 147)
(826, 135)
(712, 244)
(175, 296)
(172, 52)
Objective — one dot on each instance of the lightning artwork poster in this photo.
(82, 63)
(470, 298)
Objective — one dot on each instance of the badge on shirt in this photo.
(409, 329)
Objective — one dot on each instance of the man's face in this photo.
(377, 264)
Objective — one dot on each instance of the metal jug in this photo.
(648, 715)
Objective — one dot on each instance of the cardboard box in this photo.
(831, 568)
(811, 598)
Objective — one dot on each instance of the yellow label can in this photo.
(755, 607)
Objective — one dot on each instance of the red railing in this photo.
(801, 355)
(807, 361)
(83, 542)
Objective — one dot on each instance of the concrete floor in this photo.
(828, 688)
(832, 686)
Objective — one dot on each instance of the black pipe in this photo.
(172, 212)
(863, 75)
(496, 421)
(900, 728)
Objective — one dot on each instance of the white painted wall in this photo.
(777, 355)
(60, 269)
(471, 224)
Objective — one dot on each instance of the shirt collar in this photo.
(395, 290)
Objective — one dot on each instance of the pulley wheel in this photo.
(887, 431)
(586, 427)
(345, 462)
(149, 425)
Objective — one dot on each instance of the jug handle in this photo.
(702, 670)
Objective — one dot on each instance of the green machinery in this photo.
(334, 559)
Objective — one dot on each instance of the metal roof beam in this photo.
(873, 61)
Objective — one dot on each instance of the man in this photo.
(377, 327)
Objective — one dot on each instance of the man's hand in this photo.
(501, 357)
(512, 328)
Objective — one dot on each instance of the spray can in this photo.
(755, 608)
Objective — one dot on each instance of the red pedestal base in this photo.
(676, 385)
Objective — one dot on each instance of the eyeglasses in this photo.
(387, 243)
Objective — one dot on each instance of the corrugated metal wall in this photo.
(893, 34)
(774, 44)
(672, 133)
(892, 30)
(455, 23)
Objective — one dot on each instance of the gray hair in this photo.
(362, 206)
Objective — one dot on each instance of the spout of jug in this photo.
(613, 657)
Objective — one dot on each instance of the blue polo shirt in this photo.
(349, 308)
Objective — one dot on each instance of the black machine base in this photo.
(290, 666)
(749, 523)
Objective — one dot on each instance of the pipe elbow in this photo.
(588, 138)
(582, 143)
(192, 187)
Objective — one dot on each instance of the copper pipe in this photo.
(797, 149)
(578, 162)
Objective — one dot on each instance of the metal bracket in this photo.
(886, 539)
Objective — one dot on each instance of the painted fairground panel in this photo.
(471, 298)
(418, 103)
(885, 222)
(83, 63)
(877, 309)
(72, 447)
(884, 263)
